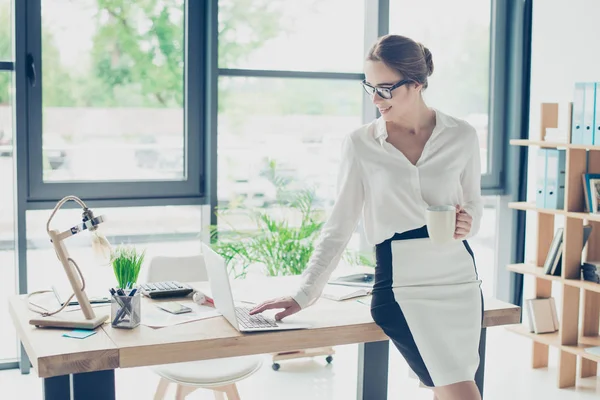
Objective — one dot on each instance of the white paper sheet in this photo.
(154, 317)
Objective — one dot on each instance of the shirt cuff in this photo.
(301, 298)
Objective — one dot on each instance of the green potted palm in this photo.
(281, 238)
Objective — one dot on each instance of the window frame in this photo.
(190, 190)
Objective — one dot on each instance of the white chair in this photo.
(219, 375)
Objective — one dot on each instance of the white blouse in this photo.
(377, 179)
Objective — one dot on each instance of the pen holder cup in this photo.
(126, 311)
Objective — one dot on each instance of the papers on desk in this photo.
(339, 292)
(154, 317)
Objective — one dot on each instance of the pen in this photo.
(125, 308)
(122, 310)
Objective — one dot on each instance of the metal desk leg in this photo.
(481, 370)
(373, 360)
(24, 364)
(57, 387)
(98, 385)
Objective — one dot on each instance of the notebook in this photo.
(542, 315)
(339, 292)
(360, 280)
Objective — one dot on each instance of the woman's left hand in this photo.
(463, 223)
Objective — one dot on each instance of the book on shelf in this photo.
(593, 350)
(541, 315)
(588, 192)
(556, 135)
(340, 292)
(595, 195)
(554, 253)
(553, 263)
(590, 271)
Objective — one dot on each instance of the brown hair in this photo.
(404, 55)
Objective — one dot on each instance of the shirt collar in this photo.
(442, 121)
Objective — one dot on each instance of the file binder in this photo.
(555, 179)
(577, 116)
(589, 108)
(596, 133)
(542, 167)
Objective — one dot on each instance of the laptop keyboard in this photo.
(253, 321)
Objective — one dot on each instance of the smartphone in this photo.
(174, 307)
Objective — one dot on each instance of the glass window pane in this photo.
(164, 230)
(284, 132)
(484, 246)
(113, 90)
(303, 35)
(8, 338)
(6, 30)
(461, 56)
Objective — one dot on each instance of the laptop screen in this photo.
(219, 284)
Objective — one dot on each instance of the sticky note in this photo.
(79, 333)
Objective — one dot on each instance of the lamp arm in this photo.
(60, 204)
(46, 312)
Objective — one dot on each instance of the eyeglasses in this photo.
(385, 93)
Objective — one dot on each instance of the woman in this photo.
(426, 297)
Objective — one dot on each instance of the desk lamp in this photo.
(89, 320)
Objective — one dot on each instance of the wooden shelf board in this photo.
(539, 143)
(583, 215)
(561, 145)
(584, 341)
(580, 283)
(534, 270)
(553, 339)
(550, 339)
(529, 206)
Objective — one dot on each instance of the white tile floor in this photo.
(508, 376)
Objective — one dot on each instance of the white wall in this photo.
(565, 50)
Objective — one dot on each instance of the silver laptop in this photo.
(239, 317)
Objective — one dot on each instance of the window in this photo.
(294, 134)
(292, 110)
(462, 58)
(162, 230)
(294, 35)
(8, 338)
(108, 110)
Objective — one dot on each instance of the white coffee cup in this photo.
(441, 223)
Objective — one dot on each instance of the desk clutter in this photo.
(125, 308)
(156, 290)
(349, 287)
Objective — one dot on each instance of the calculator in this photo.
(161, 290)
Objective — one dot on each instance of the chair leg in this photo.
(161, 390)
(183, 391)
(232, 392)
(219, 395)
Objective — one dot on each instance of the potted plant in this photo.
(126, 262)
(281, 238)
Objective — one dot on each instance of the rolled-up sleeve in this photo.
(338, 229)
(471, 185)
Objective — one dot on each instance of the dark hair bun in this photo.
(428, 60)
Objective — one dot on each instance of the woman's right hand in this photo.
(288, 304)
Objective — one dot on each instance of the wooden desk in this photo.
(334, 323)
